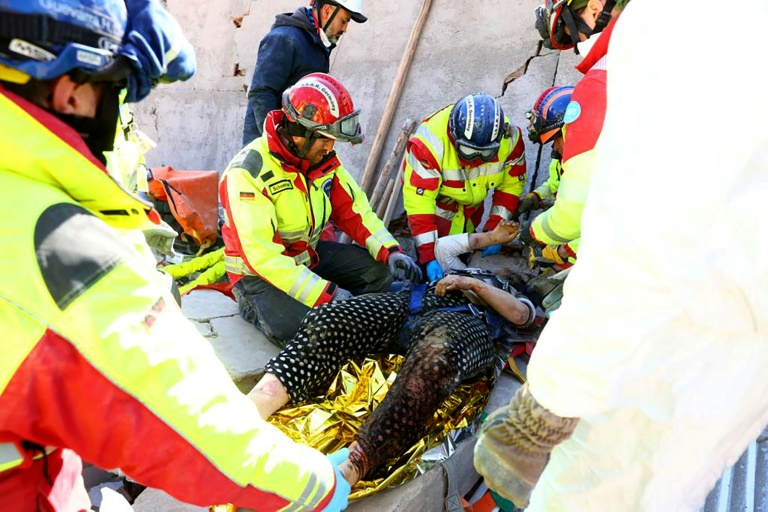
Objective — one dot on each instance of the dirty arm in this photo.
(511, 308)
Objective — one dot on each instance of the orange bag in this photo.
(192, 197)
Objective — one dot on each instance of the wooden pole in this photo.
(394, 97)
(394, 158)
(393, 198)
(385, 198)
(380, 197)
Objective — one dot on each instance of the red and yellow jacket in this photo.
(98, 360)
(444, 195)
(276, 208)
(584, 119)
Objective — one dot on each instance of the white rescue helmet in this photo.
(355, 8)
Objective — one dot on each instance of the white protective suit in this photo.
(661, 343)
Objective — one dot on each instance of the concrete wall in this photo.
(466, 46)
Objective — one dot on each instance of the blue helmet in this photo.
(546, 117)
(49, 38)
(477, 127)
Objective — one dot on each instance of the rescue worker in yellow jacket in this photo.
(585, 24)
(278, 194)
(456, 157)
(97, 359)
(546, 125)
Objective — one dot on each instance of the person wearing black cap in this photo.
(297, 44)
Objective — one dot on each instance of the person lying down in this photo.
(446, 332)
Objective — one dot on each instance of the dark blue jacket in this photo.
(291, 50)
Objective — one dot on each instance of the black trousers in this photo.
(279, 315)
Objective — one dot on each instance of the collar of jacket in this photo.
(289, 161)
(599, 49)
(304, 19)
(45, 149)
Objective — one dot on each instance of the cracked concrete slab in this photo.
(243, 349)
(206, 304)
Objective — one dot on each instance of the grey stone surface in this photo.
(204, 327)
(153, 500)
(206, 304)
(242, 348)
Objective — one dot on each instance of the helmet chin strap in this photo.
(288, 130)
(576, 24)
(98, 132)
(319, 4)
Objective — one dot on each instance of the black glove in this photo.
(529, 203)
(526, 237)
(403, 267)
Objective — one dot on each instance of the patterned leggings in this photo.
(446, 347)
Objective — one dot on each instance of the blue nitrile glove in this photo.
(434, 271)
(341, 294)
(492, 250)
(156, 47)
(402, 267)
(340, 497)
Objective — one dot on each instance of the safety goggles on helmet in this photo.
(540, 131)
(344, 129)
(469, 152)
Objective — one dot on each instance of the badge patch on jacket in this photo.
(280, 186)
(327, 187)
(247, 196)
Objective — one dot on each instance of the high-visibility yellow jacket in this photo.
(584, 118)
(444, 195)
(276, 208)
(548, 189)
(98, 359)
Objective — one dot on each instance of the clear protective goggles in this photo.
(469, 152)
(345, 129)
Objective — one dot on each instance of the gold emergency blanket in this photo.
(330, 423)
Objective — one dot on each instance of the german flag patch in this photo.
(247, 196)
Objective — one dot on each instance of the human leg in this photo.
(269, 308)
(448, 347)
(329, 336)
(352, 268)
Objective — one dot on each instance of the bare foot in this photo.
(356, 465)
(505, 232)
(269, 395)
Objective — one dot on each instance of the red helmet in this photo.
(322, 106)
(555, 15)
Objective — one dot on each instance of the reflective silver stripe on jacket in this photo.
(235, 265)
(501, 211)
(486, 170)
(380, 239)
(425, 238)
(454, 175)
(419, 169)
(313, 494)
(304, 285)
(294, 236)
(444, 214)
(433, 142)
